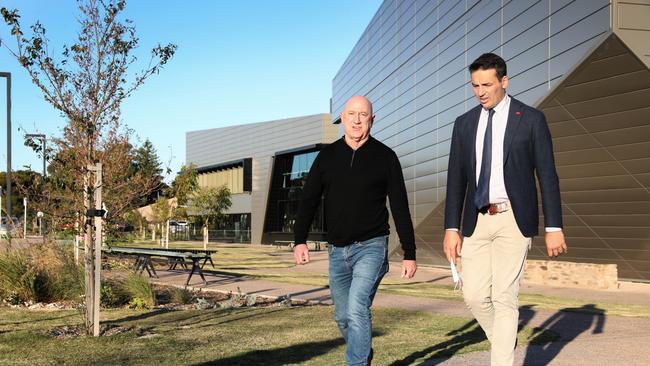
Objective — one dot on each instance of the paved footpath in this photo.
(586, 339)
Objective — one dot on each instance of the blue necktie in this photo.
(482, 196)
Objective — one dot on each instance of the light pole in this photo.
(7, 75)
(41, 137)
(24, 217)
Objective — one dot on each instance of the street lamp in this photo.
(41, 137)
(7, 75)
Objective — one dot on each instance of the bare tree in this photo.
(87, 85)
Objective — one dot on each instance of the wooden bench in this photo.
(317, 245)
(143, 259)
(280, 243)
(173, 262)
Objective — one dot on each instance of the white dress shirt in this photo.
(499, 121)
(498, 191)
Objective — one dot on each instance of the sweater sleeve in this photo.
(311, 196)
(399, 207)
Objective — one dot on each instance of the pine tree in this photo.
(147, 163)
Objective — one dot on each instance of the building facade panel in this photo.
(597, 113)
(259, 141)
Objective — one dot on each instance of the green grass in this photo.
(444, 292)
(251, 262)
(247, 336)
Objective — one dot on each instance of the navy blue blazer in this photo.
(528, 150)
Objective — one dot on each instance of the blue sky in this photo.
(237, 62)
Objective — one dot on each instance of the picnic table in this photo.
(173, 262)
(318, 245)
(143, 260)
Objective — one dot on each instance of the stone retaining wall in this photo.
(570, 274)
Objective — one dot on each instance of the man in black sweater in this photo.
(355, 175)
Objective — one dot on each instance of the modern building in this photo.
(264, 164)
(585, 63)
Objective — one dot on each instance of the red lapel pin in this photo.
(517, 113)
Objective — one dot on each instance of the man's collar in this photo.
(502, 105)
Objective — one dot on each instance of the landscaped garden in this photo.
(42, 321)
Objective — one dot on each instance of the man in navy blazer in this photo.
(497, 148)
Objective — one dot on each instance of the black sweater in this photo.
(355, 184)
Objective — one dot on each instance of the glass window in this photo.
(290, 174)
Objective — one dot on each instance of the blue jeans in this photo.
(355, 273)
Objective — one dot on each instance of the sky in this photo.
(239, 61)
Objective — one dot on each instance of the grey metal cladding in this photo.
(258, 141)
(411, 63)
(206, 147)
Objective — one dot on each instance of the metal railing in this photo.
(224, 235)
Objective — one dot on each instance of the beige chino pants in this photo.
(492, 267)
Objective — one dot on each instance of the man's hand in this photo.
(301, 253)
(408, 268)
(451, 245)
(555, 244)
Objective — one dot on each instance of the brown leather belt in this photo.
(495, 208)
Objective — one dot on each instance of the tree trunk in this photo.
(88, 258)
(205, 237)
(92, 255)
(99, 237)
(167, 235)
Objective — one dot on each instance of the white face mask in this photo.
(458, 283)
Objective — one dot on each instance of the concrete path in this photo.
(586, 339)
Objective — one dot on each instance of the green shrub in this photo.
(138, 287)
(21, 280)
(13, 270)
(119, 238)
(65, 234)
(180, 295)
(44, 273)
(63, 278)
(139, 304)
(113, 294)
(106, 296)
(14, 299)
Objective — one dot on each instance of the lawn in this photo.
(237, 336)
(273, 264)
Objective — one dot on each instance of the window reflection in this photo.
(290, 175)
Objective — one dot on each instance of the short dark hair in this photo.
(490, 61)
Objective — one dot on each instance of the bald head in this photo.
(357, 119)
(358, 101)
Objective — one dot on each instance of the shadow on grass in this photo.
(30, 320)
(246, 314)
(415, 283)
(294, 354)
(166, 321)
(140, 316)
(315, 289)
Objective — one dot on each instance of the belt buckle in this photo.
(492, 209)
